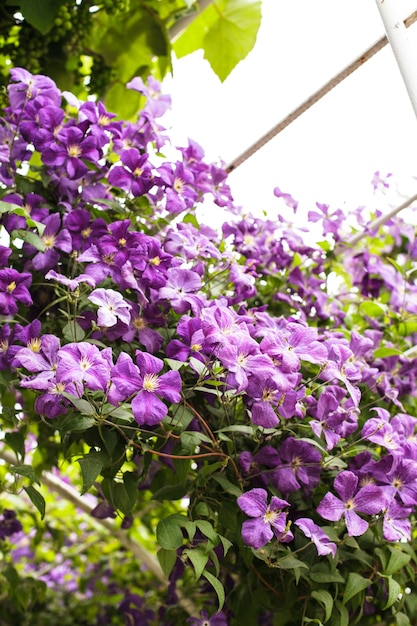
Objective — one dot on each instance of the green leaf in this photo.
(16, 442)
(326, 600)
(170, 492)
(166, 560)
(198, 558)
(208, 531)
(75, 423)
(327, 577)
(40, 13)
(402, 619)
(371, 309)
(83, 406)
(397, 561)
(226, 32)
(217, 586)
(355, 584)
(394, 590)
(73, 332)
(228, 486)
(382, 353)
(91, 465)
(8, 207)
(169, 534)
(36, 498)
(29, 237)
(124, 494)
(290, 562)
(27, 471)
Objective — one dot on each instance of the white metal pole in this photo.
(400, 44)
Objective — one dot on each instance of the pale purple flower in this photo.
(112, 307)
(268, 519)
(147, 386)
(84, 363)
(379, 430)
(72, 283)
(396, 525)
(370, 500)
(317, 535)
(180, 287)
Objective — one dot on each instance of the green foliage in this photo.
(96, 47)
(227, 26)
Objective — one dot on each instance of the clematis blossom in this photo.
(370, 500)
(267, 519)
(144, 382)
(112, 306)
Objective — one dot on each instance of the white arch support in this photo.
(398, 38)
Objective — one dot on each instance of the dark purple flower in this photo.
(9, 524)
(55, 241)
(135, 175)
(217, 619)
(299, 467)
(268, 519)
(14, 289)
(370, 499)
(69, 150)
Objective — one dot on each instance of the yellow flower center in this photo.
(74, 151)
(151, 382)
(49, 241)
(155, 261)
(11, 287)
(4, 344)
(86, 232)
(85, 364)
(35, 345)
(178, 185)
(196, 347)
(270, 516)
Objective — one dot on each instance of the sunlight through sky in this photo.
(329, 154)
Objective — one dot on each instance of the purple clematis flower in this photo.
(112, 307)
(14, 289)
(72, 283)
(370, 499)
(144, 382)
(72, 146)
(135, 175)
(299, 467)
(317, 535)
(218, 619)
(268, 519)
(84, 363)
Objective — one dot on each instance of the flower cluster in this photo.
(243, 397)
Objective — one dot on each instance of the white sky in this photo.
(329, 154)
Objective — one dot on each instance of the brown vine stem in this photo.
(202, 421)
(140, 552)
